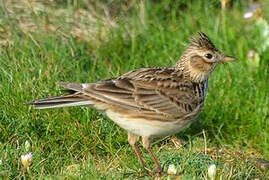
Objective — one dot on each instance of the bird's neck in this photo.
(191, 72)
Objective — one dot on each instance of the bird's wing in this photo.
(158, 90)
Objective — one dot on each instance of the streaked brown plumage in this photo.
(150, 102)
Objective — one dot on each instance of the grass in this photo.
(42, 43)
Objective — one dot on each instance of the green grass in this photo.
(79, 142)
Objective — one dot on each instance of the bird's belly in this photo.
(144, 127)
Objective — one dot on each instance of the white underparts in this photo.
(144, 127)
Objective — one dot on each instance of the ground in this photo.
(42, 42)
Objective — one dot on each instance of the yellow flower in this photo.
(26, 160)
(212, 171)
(172, 169)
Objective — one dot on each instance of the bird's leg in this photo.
(132, 139)
(139, 156)
(159, 168)
(146, 145)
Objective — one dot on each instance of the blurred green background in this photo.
(42, 42)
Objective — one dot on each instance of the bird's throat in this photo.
(199, 69)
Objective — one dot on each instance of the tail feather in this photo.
(61, 101)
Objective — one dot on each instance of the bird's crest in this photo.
(202, 41)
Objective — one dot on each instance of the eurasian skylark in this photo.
(149, 102)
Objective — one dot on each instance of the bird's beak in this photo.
(227, 58)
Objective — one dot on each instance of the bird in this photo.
(149, 102)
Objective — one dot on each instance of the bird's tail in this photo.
(72, 99)
(61, 101)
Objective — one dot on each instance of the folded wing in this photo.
(156, 90)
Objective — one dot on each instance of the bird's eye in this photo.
(208, 56)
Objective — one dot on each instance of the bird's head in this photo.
(201, 57)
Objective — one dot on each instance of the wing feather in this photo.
(145, 92)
